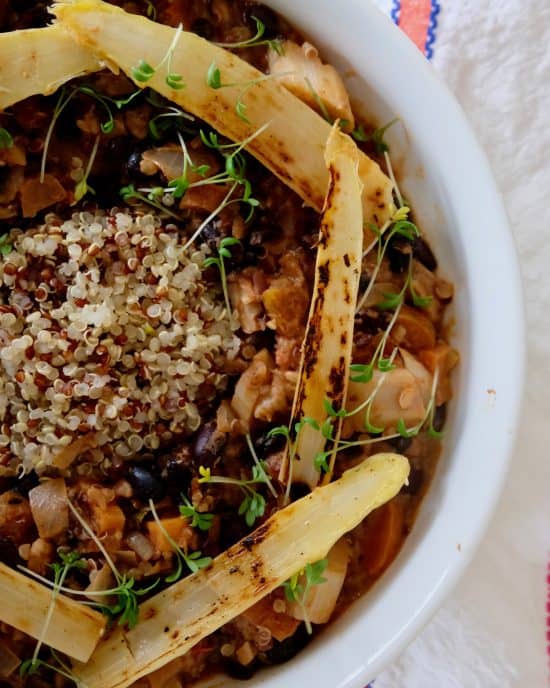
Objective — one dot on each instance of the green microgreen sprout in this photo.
(6, 139)
(256, 40)
(234, 174)
(193, 561)
(143, 71)
(63, 100)
(125, 608)
(106, 102)
(219, 262)
(172, 117)
(298, 587)
(214, 81)
(30, 666)
(399, 225)
(65, 96)
(260, 465)
(377, 137)
(322, 105)
(198, 519)
(382, 148)
(69, 562)
(292, 444)
(130, 192)
(82, 187)
(6, 247)
(360, 373)
(151, 10)
(253, 505)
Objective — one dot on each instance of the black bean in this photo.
(263, 231)
(266, 445)
(287, 649)
(440, 416)
(204, 28)
(133, 164)
(146, 485)
(25, 484)
(370, 323)
(364, 281)
(416, 481)
(208, 442)
(265, 339)
(8, 552)
(211, 235)
(299, 490)
(400, 444)
(175, 471)
(232, 529)
(238, 671)
(268, 18)
(4, 13)
(399, 251)
(423, 254)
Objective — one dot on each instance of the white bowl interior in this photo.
(443, 172)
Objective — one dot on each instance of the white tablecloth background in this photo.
(492, 631)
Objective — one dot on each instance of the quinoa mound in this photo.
(107, 331)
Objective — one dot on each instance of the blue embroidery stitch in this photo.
(395, 17)
(430, 40)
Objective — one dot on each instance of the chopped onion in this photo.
(49, 507)
(141, 545)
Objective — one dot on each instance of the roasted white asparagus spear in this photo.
(293, 144)
(171, 622)
(74, 629)
(327, 347)
(38, 61)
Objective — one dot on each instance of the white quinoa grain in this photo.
(135, 331)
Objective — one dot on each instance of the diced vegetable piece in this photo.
(175, 527)
(280, 624)
(74, 628)
(291, 146)
(36, 61)
(108, 520)
(49, 507)
(35, 196)
(176, 619)
(322, 598)
(442, 358)
(418, 331)
(327, 348)
(383, 535)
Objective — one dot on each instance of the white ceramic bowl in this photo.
(446, 176)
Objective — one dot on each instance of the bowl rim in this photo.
(378, 627)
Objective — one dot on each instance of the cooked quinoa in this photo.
(108, 331)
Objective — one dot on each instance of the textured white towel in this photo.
(493, 632)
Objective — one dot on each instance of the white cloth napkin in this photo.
(494, 631)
